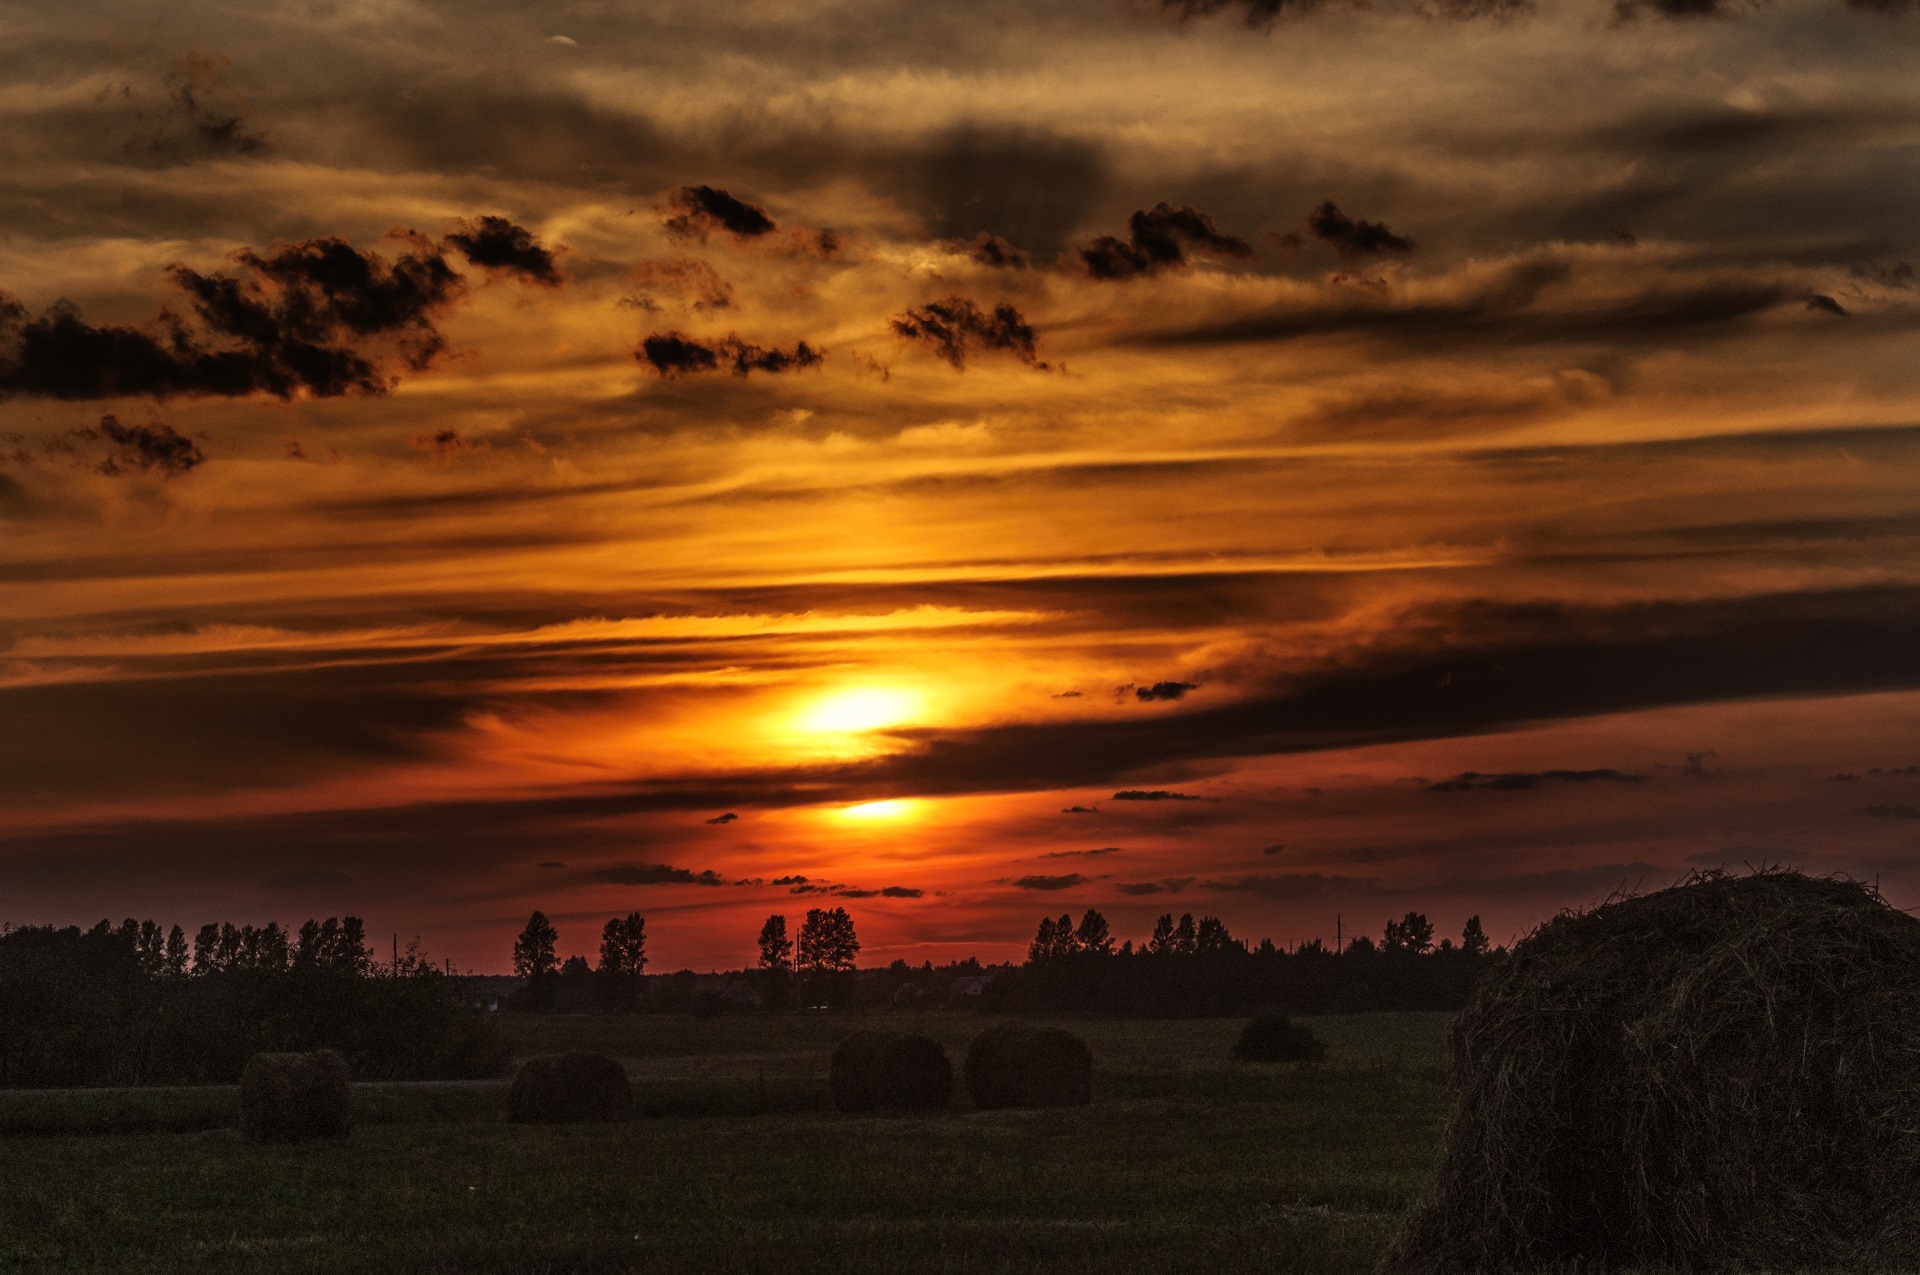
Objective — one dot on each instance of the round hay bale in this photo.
(890, 1071)
(576, 1088)
(1724, 1074)
(1019, 1065)
(1273, 1037)
(287, 1097)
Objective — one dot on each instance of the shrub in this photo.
(1723, 1074)
(287, 1097)
(890, 1071)
(1019, 1065)
(1273, 1037)
(577, 1088)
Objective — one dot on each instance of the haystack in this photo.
(287, 1097)
(890, 1071)
(1273, 1037)
(1018, 1065)
(1725, 1074)
(577, 1088)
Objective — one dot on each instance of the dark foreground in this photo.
(1184, 1162)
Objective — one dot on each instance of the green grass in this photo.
(1184, 1162)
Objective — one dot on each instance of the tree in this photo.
(1093, 935)
(206, 949)
(1041, 949)
(574, 991)
(1161, 943)
(176, 964)
(1212, 936)
(1473, 939)
(1413, 934)
(1185, 942)
(533, 956)
(623, 958)
(776, 949)
(827, 941)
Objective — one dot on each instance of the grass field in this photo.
(1184, 1162)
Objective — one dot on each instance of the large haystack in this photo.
(576, 1088)
(1723, 1074)
(287, 1097)
(1273, 1037)
(1018, 1065)
(890, 1071)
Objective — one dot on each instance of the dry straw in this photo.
(1720, 1075)
(1017, 1065)
(576, 1088)
(287, 1097)
(890, 1071)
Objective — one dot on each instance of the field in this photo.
(1184, 1162)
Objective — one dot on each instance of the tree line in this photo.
(1195, 968)
(138, 1004)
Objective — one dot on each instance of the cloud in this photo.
(1354, 238)
(793, 880)
(1155, 794)
(550, 863)
(309, 879)
(1901, 811)
(704, 209)
(202, 117)
(1274, 849)
(494, 243)
(956, 328)
(1039, 882)
(902, 892)
(1514, 781)
(1081, 810)
(1076, 854)
(729, 817)
(1159, 238)
(991, 250)
(1258, 13)
(1025, 186)
(1165, 691)
(671, 354)
(681, 281)
(654, 874)
(144, 448)
(1821, 303)
(1166, 885)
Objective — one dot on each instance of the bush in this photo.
(1273, 1037)
(1723, 1074)
(1018, 1065)
(577, 1088)
(287, 1097)
(890, 1071)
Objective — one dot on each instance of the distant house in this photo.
(969, 985)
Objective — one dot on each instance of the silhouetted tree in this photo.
(623, 958)
(1093, 936)
(1161, 941)
(1473, 939)
(827, 941)
(1185, 941)
(1413, 933)
(776, 949)
(176, 955)
(574, 992)
(1212, 936)
(206, 949)
(1042, 947)
(534, 960)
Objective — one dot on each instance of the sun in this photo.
(876, 811)
(861, 708)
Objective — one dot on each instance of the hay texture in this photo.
(1725, 1074)
(1017, 1065)
(577, 1088)
(287, 1097)
(1273, 1037)
(890, 1071)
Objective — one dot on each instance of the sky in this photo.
(1292, 462)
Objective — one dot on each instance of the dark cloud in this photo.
(1038, 882)
(729, 817)
(793, 880)
(956, 328)
(203, 116)
(654, 874)
(1898, 276)
(1515, 781)
(1159, 238)
(1256, 13)
(1901, 811)
(1354, 238)
(144, 449)
(1165, 691)
(550, 863)
(901, 892)
(494, 243)
(1077, 854)
(681, 281)
(1628, 9)
(672, 354)
(1166, 885)
(1821, 303)
(1081, 810)
(992, 250)
(309, 879)
(1274, 849)
(700, 210)
(1878, 772)
(1152, 794)
(1027, 188)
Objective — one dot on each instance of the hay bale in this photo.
(1019, 1065)
(576, 1088)
(1725, 1074)
(890, 1071)
(1273, 1037)
(287, 1097)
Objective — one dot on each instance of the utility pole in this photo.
(1337, 948)
(396, 956)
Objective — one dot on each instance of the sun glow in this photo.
(859, 709)
(893, 808)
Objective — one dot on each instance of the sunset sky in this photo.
(962, 462)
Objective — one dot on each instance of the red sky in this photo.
(455, 455)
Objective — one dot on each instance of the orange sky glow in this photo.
(963, 464)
